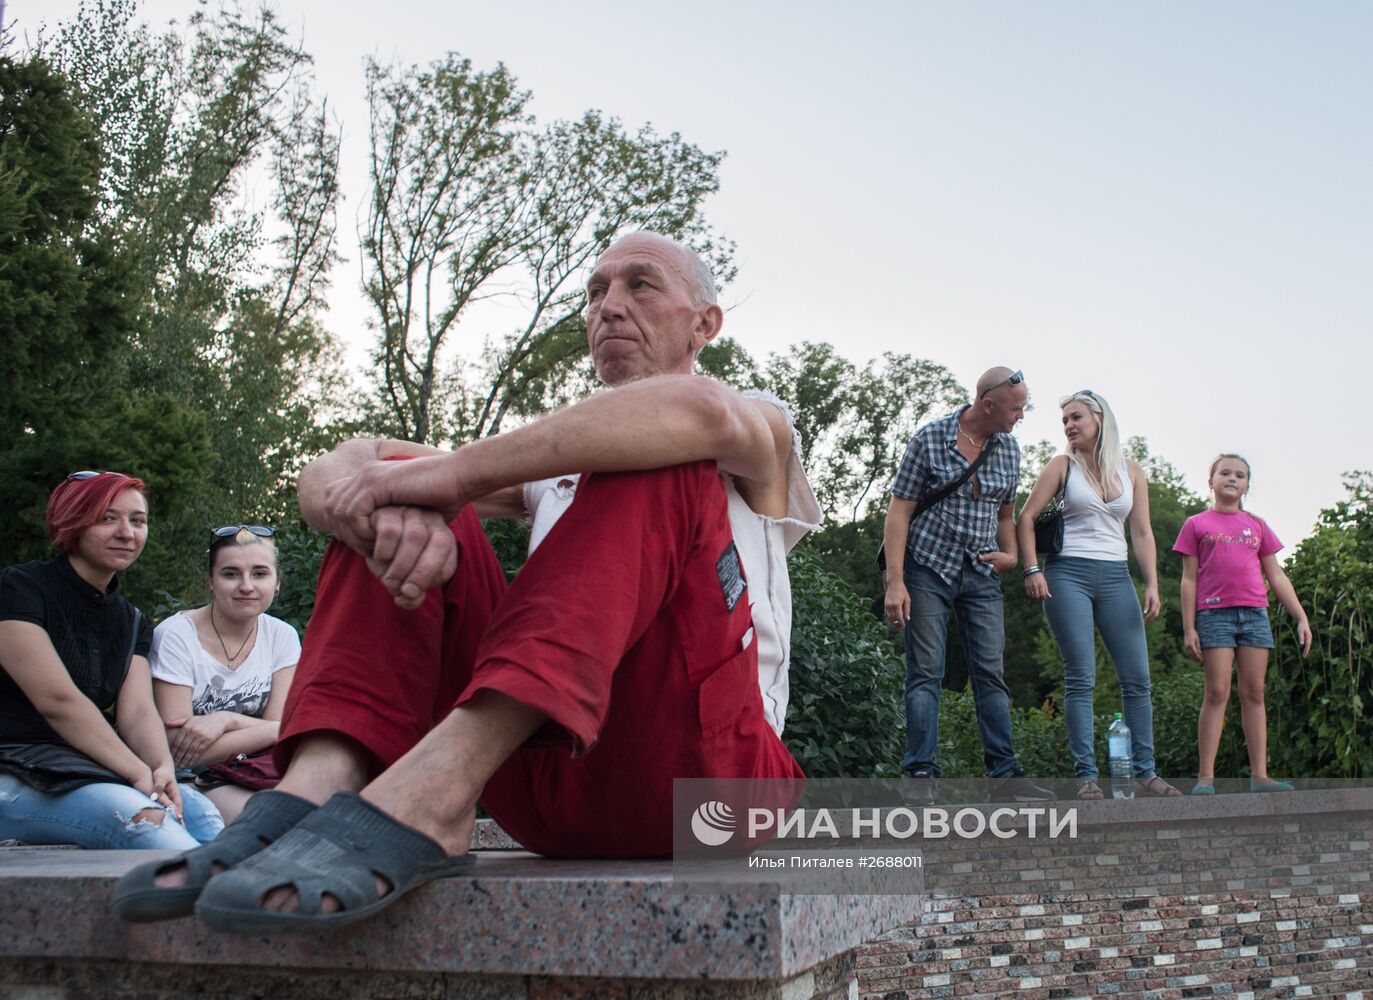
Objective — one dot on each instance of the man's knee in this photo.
(924, 660)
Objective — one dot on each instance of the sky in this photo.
(1168, 203)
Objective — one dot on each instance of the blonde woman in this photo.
(1086, 586)
(221, 673)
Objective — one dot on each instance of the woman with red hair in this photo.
(74, 653)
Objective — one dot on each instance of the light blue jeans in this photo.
(1092, 594)
(101, 816)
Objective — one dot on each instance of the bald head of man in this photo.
(1001, 399)
(650, 308)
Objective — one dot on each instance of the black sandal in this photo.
(265, 817)
(339, 850)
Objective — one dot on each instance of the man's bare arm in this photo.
(649, 424)
(348, 458)
(653, 423)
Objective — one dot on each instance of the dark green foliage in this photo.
(725, 360)
(54, 341)
(1319, 709)
(68, 314)
(848, 549)
(299, 553)
(510, 539)
(470, 200)
(1041, 742)
(149, 323)
(1177, 701)
(845, 719)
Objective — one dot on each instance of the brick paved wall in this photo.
(1236, 906)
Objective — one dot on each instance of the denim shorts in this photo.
(1226, 628)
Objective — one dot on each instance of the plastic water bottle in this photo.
(1118, 745)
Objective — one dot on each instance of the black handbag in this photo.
(55, 767)
(1049, 523)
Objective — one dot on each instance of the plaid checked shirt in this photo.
(961, 525)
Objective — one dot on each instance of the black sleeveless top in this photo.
(91, 632)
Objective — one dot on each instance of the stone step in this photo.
(513, 914)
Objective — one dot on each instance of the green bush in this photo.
(846, 717)
(1177, 701)
(299, 553)
(1040, 741)
(1318, 708)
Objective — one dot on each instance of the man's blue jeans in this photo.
(975, 600)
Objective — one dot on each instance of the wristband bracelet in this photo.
(1032, 570)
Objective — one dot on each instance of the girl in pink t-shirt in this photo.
(1227, 555)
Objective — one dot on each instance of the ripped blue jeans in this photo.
(103, 816)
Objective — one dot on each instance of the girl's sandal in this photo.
(1156, 787)
(1089, 789)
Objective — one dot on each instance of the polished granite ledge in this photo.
(514, 914)
(519, 915)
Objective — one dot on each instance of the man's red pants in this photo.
(629, 628)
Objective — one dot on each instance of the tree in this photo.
(471, 200)
(54, 277)
(68, 311)
(1318, 708)
(220, 333)
(855, 422)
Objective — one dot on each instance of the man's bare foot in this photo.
(174, 878)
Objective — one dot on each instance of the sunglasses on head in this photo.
(84, 475)
(1015, 379)
(230, 530)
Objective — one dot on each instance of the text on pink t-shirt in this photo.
(1228, 546)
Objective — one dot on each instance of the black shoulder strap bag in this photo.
(928, 500)
(1049, 523)
(55, 767)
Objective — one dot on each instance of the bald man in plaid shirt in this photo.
(949, 558)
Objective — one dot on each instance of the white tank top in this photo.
(1093, 528)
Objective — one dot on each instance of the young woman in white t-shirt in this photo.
(221, 673)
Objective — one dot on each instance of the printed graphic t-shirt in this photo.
(1228, 546)
(179, 658)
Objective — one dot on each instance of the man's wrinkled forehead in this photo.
(641, 254)
(627, 265)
